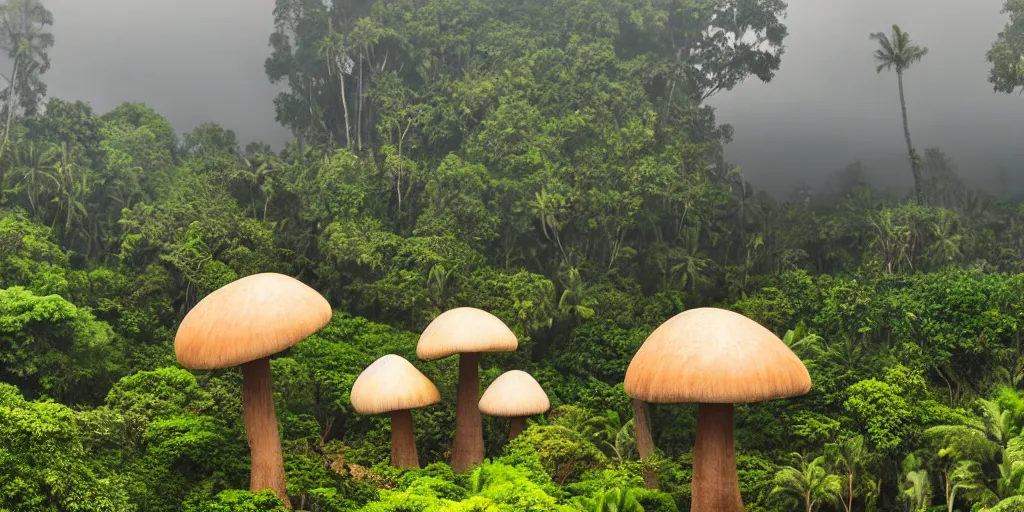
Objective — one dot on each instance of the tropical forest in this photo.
(503, 263)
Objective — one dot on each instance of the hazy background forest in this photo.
(582, 169)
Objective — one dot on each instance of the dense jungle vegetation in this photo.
(551, 162)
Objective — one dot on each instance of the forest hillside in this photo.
(554, 164)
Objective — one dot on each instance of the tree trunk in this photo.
(644, 440)
(261, 429)
(915, 169)
(516, 427)
(359, 107)
(849, 498)
(949, 494)
(403, 442)
(468, 448)
(715, 483)
(10, 107)
(344, 108)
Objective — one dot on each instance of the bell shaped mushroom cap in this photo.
(392, 384)
(248, 319)
(514, 393)
(465, 330)
(711, 355)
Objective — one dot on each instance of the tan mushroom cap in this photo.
(465, 330)
(711, 355)
(514, 393)
(248, 319)
(392, 384)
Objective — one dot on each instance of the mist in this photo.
(827, 107)
(196, 61)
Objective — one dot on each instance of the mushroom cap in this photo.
(514, 393)
(392, 384)
(465, 330)
(248, 319)
(711, 355)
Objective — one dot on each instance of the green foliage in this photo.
(49, 346)
(1007, 52)
(553, 163)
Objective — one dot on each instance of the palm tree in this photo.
(23, 37)
(945, 247)
(613, 500)
(808, 481)
(576, 299)
(31, 163)
(332, 49)
(899, 52)
(964, 476)
(803, 343)
(258, 173)
(72, 186)
(995, 427)
(848, 457)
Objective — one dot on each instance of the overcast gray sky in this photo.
(827, 107)
(202, 60)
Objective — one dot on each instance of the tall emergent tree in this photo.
(899, 52)
(1007, 52)
(24, 38)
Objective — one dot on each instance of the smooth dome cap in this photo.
(248, 319)
(392, 384)
(711, 355)
(465, 330)
(514, 393)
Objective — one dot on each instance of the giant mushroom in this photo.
(468, 332)
(244, 323)
(516, 395)
(715, 358)
(392, 384)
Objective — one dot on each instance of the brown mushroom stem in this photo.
(644, 440)
(403, 443)
(468, 447)
(715, 483)
(516, 427)
(261, 429)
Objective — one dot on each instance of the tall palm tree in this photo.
(72, 187)
(32, 163)
(899, 52)
(848, 457)
(24, 38)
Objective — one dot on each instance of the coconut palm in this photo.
(848, 457)
(24, 39)
(72, 187)
(32, 163)
(899, 52)
(808, 481)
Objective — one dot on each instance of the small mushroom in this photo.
(715, 358)
(467, 332)
(514, 394)
(244, 323)
(392, 384)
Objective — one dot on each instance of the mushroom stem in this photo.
(644, 441)
(261, 429)
(468, 447)
(516, 427)
(715, 483)
(403, 443)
